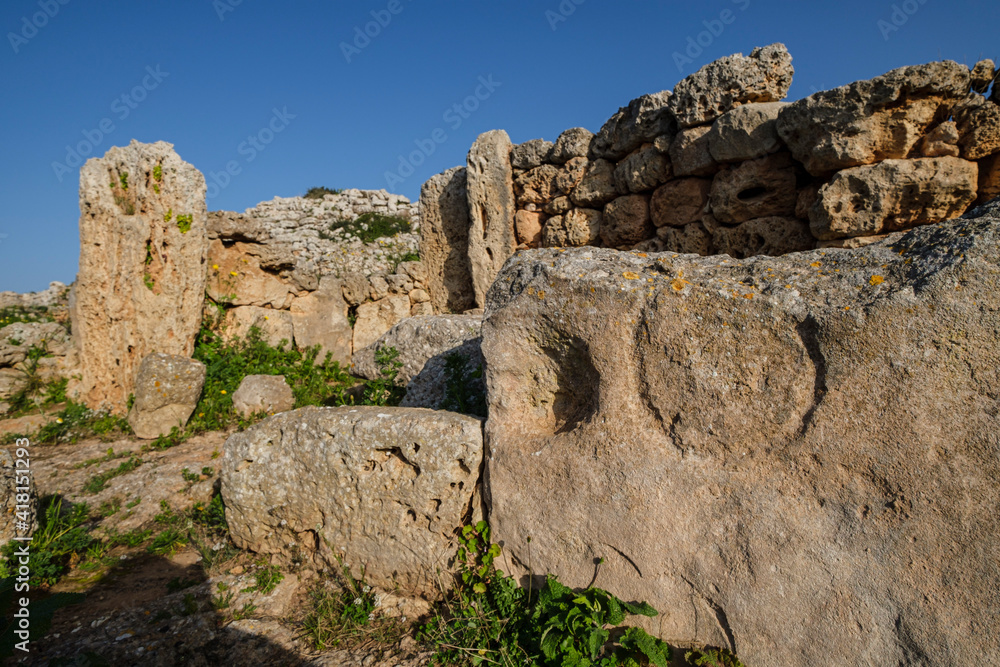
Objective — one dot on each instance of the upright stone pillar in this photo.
(491, 209)
(141, 282)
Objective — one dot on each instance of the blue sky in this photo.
(207, 75)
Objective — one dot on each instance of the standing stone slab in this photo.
(167, 389)
(444, 241)
(141, 283)
(491, 209)
(383, 488)
(320, 318)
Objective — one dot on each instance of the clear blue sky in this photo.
(222, 78)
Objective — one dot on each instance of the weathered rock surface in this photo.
(626, 221)
(763, 236)
(320, 318)
(574, 142)
(263, 393)
(167, 389)
(377, 317)
(979, 129)
(141, 283)
(989, 178)
(942, 141)
(537, 186)
(873, 120)
(18, 338)
(528, 225)
(796, 456)
(231, 226)
(530, 154)
(642, 170)
(763, 76)
(746, 132)
(644, 119)
(444, 241)
(572, 173)
(383, 488)
(755, 189)
(982, 75)
(236, 278)
(598, 185)
(418, 340)
(893, 195)
(17, 487)
(689, 239)
(690, 153)
(579, 226)
(680, 202)
(491, 209)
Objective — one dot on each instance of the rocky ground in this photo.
(150, 609)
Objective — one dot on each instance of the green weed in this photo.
(61, 535)
(370, 226)
(319, 193)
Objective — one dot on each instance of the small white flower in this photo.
(371, 617)
(366, 589)
(357, 601)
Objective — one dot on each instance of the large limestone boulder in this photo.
(382, 488)
(263, 393)
(763, 76)
(755, 189)
(690, 153)
(893, 195)
(444, 241)
(320, 318)
(873, 120)
(579, 226)
(979, 128)
(17, 488)
(141, 283)
(763, 236)
(167, 389)
(794, 457)
(626, 221)
(490, 192)
(680, 202)
(418, 339)
(597, 187)
(642, 170)
(425, 344)
(746, 133)
(530, 154)
(572, 143)
(644, 119)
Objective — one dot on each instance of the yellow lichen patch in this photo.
(641, 254)
(815, 264)
(876, 280)
(541, 294)
(629, 275)
(678, 284)
(748, 296)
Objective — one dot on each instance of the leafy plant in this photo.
(267, 578)
(189, 476)
(184, 223)
(158, 173)
(712, 657)
(345, 614)
(148, 281)
(169, 542)
(61, 536)
(27, 314)
(168, 215)
(384, 390)
(123, 179)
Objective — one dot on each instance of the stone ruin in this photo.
(720, 165)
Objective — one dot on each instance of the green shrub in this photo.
(464, 390)
(27, 314)
(489, 618)
(370, 226)
(319, 193)
(385, 390)
(99, 482)
(60, 536)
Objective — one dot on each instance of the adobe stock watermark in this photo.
(254, 145)
(121, 108)
(381, 18)
(454, 116)
(223, 7)
(20, 563)
(714, 28)
(566, 9)
(900, 14)
(30, 25)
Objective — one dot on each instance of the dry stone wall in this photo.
(721, 165)
(283, 267)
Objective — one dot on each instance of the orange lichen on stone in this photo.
(876, 280)
(630, 275)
